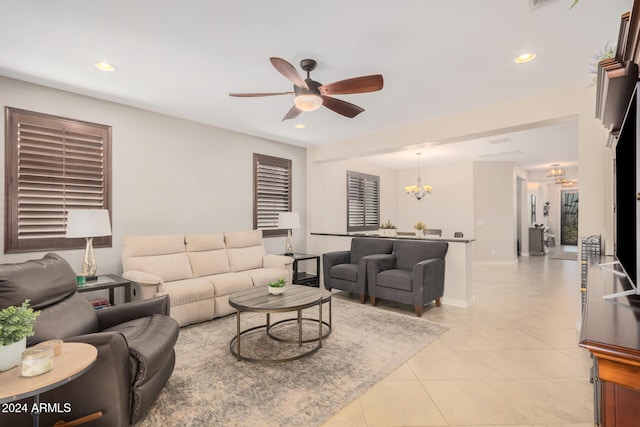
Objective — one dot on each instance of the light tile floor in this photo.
(511, 359)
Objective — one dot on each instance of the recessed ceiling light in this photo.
(299, 126)
(104, 66)
(525, 57)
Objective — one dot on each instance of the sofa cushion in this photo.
(188, 291)
(207, 253)
(168, 267)
(151, 245)
(348, 272)
(204, 242)
(245, 249)
(395, 279)
(70, 317)
(369, 246)
(262, 276)
(206, 263)
(227, 283)
(44, 281)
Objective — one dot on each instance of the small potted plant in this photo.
(277, 287)
(16, 324)
(387, 229)
(419, 226)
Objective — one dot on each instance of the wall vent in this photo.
(535, 4)
(500, 141)
(500, 154)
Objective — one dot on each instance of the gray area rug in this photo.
(571, 256)
(210, 388)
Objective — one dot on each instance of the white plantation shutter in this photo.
(363, 202)
(54, 164)
(272, 192)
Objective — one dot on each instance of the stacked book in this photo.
(99, 303)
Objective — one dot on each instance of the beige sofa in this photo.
(199, 271)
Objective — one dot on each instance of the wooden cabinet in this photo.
(611, 332)
(538, 241)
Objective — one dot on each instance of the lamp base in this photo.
(288, 247)
(89, 265)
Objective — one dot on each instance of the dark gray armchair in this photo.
(412, 274)
(134, 341)
(346, 270)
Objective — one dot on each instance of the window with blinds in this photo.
(52, 164)
(363, 202)
(272, 192)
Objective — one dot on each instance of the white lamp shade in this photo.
(88, 223)
(288, 220)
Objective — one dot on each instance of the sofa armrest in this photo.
(279, 261)
(105, 387)
(329, 260)
(276, 261)
(430, 273)
(111, 316)
(145, 279)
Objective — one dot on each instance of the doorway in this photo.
(569, 217)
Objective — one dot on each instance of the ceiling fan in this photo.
(311, 95)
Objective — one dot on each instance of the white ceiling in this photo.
(437, 58)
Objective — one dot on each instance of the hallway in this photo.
(512, 358)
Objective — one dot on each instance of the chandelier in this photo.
(555, 171)
(418, 190)
(565, 182)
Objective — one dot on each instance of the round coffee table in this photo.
(295, 298)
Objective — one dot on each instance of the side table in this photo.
(110, 282)
(74, 360)
(303, 277)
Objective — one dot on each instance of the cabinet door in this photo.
(619, 405)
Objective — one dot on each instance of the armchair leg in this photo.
(372, 300)
(437, 302)
(419, 310)
(362, 299)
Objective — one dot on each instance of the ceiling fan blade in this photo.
(355, 85)
(250, 95)
(289, 71)
(345, 108)
(292, 114)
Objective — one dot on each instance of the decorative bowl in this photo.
(276, 291)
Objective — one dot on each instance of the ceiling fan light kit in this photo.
(310, 95)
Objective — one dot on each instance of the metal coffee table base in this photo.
(300, 320)
(235, 344)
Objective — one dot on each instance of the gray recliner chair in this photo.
(412, 274)
(346, 270)
(135, 343)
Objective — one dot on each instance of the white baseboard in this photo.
(514, 262)
(458, 302)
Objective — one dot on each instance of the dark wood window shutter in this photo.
(363, 202)
(272, 192)
(52, 164)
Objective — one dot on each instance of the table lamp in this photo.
(88, 223)
(288, 220)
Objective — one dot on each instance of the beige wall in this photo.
(449, 204)
(571, 103)
(169, 175)
(328, 196)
